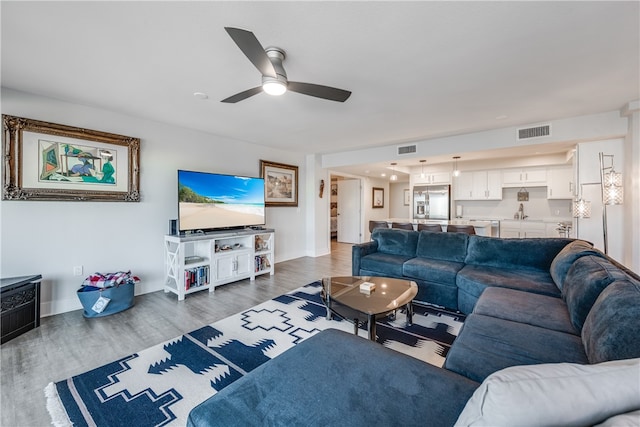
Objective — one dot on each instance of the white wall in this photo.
(632, 186)
(397, 209)
(50, 238)
(377, 214)
(318, 219)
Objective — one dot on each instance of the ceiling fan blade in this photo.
(319, 91)
(243, 95)
(251, 47)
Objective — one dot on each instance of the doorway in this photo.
(345, 209)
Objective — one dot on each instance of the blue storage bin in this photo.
(121, 298)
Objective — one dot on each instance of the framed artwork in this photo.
(377, 199)
(407, 197)
(48, 161)
(334, 189)
(280, 183)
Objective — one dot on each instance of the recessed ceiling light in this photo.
(501, 117)
(200, 95)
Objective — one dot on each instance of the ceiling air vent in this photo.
(407, 149)
(534, 132)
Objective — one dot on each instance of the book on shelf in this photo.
(262, 263)
(198, 276)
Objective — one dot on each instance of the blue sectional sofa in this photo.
(552, 337)
(453, 269)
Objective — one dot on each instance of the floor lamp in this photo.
(612, 194)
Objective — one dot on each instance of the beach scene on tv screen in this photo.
(218, 201)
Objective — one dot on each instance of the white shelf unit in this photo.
(203, 261)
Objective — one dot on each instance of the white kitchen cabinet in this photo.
(463, 186)
(560, 183)
(522, 229)
(552, 230)
(533, 177)
(494, 185)
(509, 230)
(478, 185)
(434, 178)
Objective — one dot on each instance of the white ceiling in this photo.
(417, 70)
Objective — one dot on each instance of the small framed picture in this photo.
(407, 197)
(377, 200)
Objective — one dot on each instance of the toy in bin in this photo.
(105, 294)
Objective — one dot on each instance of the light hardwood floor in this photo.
(68, 344)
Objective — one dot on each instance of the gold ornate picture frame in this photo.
(49, 161)
(280, 183)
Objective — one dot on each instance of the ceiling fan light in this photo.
(274, 87)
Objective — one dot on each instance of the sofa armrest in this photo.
(359, 251)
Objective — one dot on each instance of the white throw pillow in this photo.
(555, 394)
(630, 419)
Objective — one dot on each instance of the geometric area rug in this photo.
(159, 386)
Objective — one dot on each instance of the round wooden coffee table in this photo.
(344, 297)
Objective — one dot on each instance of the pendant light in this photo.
(422, 175)
(456, 171)
(393, 176)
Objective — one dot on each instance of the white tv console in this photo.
(200, 261)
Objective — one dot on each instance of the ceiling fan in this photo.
(274, 79)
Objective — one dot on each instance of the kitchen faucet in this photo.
(521, 212)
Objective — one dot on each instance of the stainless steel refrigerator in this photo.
(432, 202)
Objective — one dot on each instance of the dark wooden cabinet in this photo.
(20, 300)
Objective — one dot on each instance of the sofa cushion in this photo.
(612, 328)
(514, 253)
(585, 280)
(486, 345)
(472, 280)
(396, 242)
(525, 307)
(432, 270)
(442, 246)
(382, 264)
(554, 394)
(334, 378)
(445, 295)
(567, 256)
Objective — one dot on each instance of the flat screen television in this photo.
(211, 201)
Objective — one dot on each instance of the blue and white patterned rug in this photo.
(160, 385)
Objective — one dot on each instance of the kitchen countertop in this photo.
(544, 220)
(477, 224)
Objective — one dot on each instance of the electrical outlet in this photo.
(77, 270)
